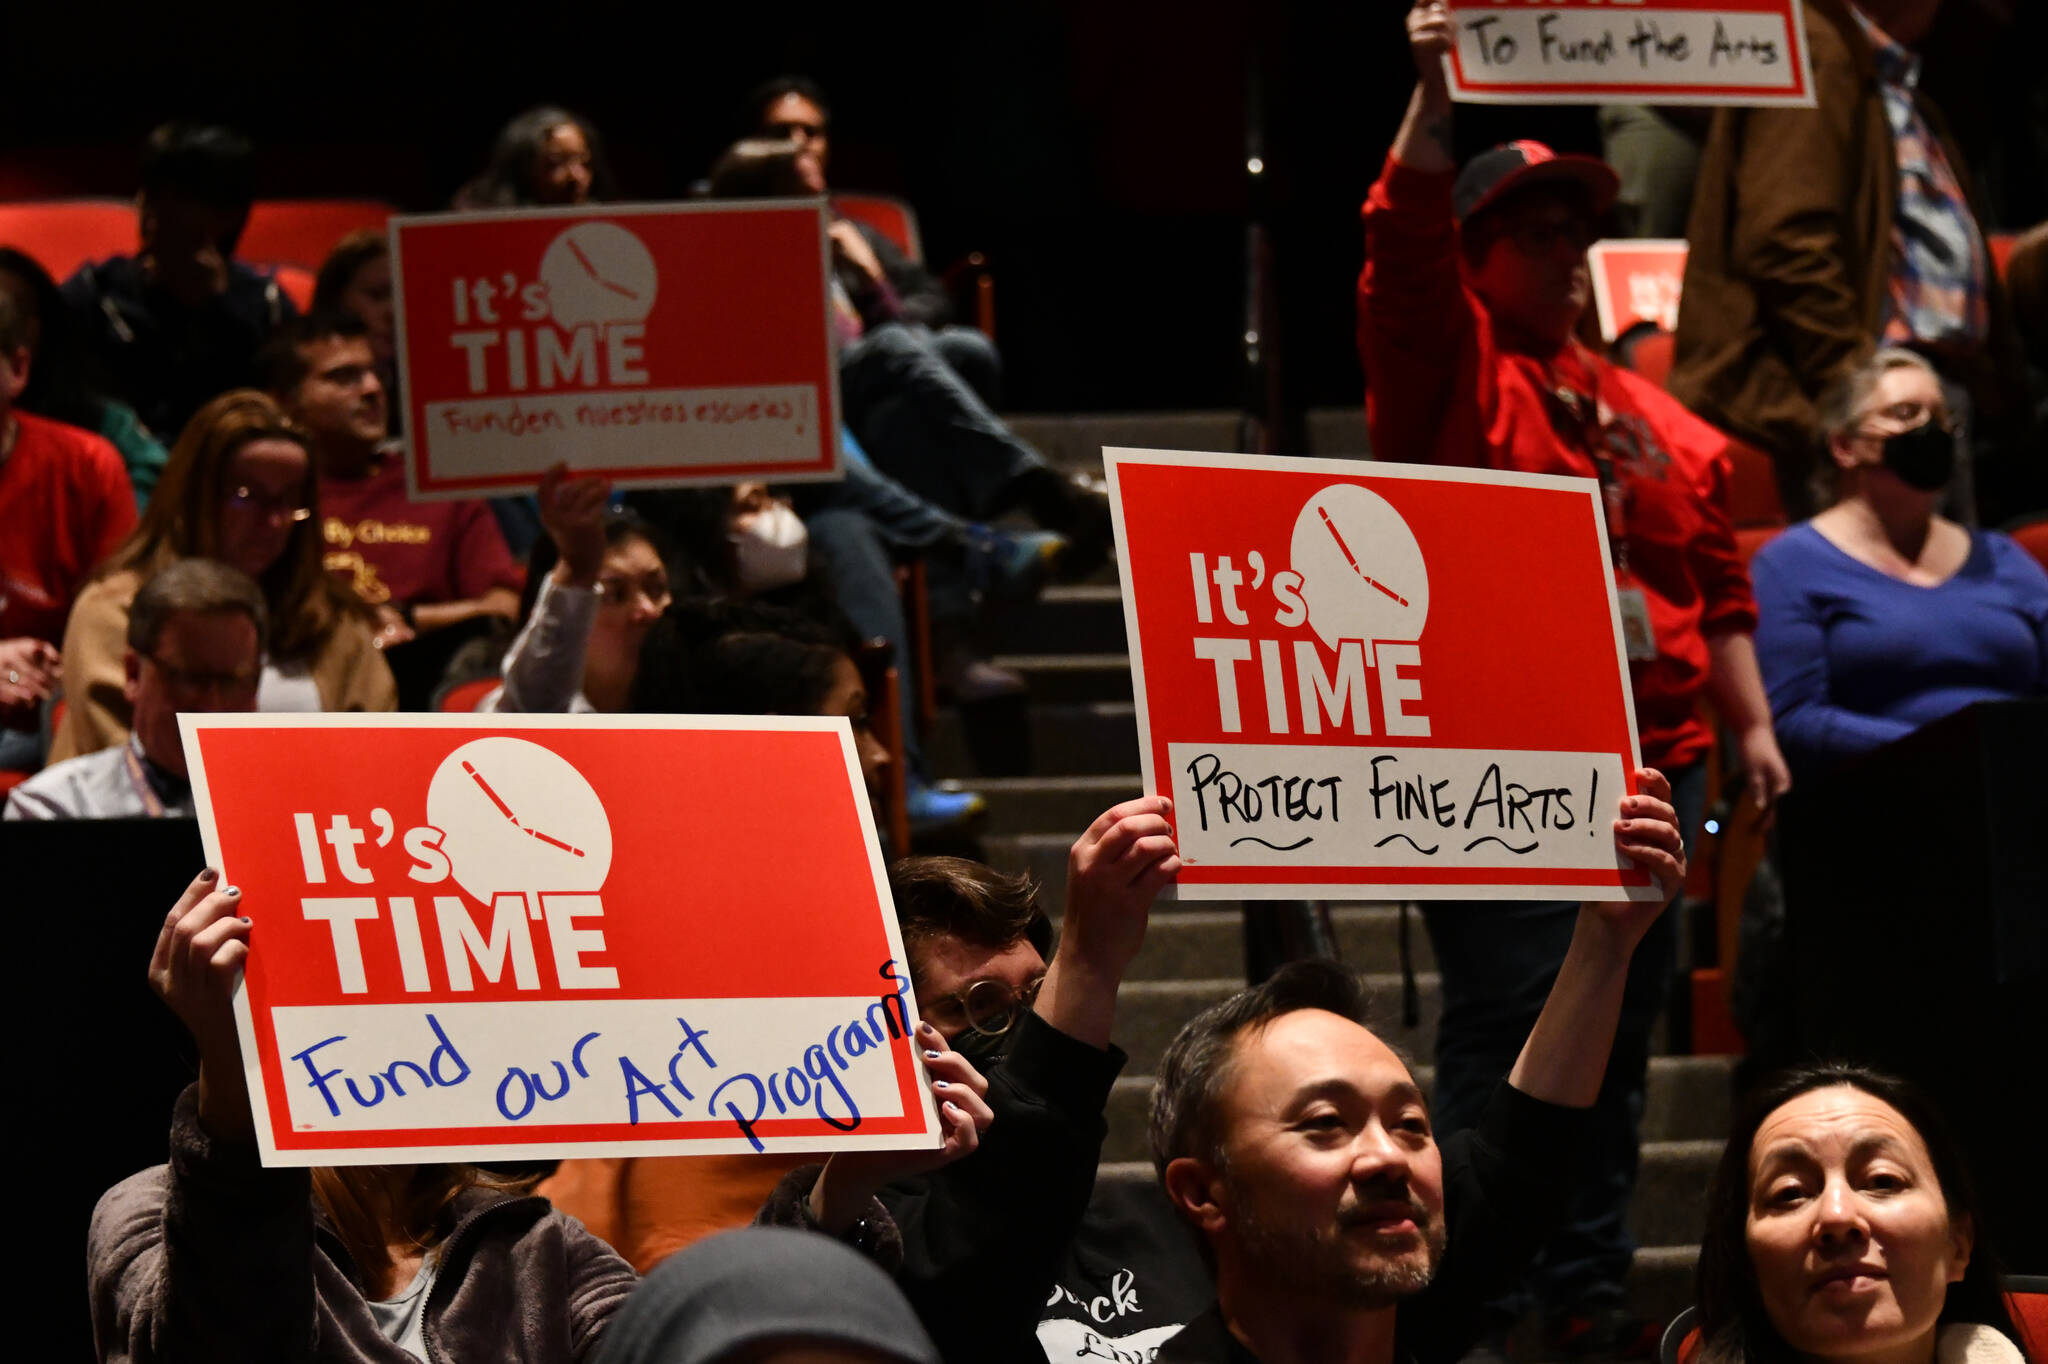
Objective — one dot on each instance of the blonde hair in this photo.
(1842, 405)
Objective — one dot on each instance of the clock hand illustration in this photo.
(1352, 559)
(506, 810)
(597, 273)
(584, 261)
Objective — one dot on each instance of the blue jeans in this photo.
(1498, 961)
(926, 426)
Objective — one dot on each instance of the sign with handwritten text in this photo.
(488, 937)
(1653, 51)
(1636, 279)
(655, 344)
(1359, 679)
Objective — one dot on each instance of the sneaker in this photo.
(1007, 566)
(933, 811)
(1601, 1333)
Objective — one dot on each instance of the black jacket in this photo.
(913, 295)
(1506, 1186)
(1017, 1254)
(165, 360)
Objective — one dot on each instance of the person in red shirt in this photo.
(439, 569)
(1473, 288)
(65, 502)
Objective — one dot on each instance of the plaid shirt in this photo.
(1938, 280)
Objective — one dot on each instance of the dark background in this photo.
(1094, 151)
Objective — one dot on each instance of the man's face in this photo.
(803, 123)
(204, 662)
(1534, 275)
(1331, 1182)
(341, 400)
(959, 981)
(184, 246)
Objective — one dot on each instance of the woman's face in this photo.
(849, 697)
(265, 492)
(562, 173)
(1905, 397)
(1848, 1230)
(632, 592)
(368, 299)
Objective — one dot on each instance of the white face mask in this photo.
(771, 548)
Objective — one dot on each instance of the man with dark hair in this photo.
(65, 503)
(195, 644)
(1009, 1246)
(179, 323)
(1300, 1148)
(430, 568)
(1475, 280)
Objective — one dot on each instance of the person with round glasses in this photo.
(239, 488)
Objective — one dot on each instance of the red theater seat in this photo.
(302, 231)
(2033, 537)
(464, 697)
(63, 234)
(1752, 487)
(889, 216)
(1652, 357)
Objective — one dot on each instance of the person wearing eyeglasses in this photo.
(1474, 285)
(1880, 615)
(239, 488)
(438, 568)
(195, 644)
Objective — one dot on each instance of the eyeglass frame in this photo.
(1015, 1002)
(244, 498)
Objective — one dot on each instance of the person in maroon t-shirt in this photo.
(428, 567)
(65, 502)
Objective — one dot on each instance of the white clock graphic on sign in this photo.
(1361, 570)
(597, 272)
(517, 817)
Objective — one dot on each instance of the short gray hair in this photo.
(1846, 398)
(194, 587)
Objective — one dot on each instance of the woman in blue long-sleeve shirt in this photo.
(1878, 615)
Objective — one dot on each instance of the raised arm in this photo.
(1565, 1057)
(544, 666)
(210, 1257)
(1417, 330)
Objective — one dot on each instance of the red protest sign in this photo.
(652, 344)
(1636, 280)
(1376, 679)
(484, 938)
(1662, 51)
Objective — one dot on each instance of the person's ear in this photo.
(1842, 449)
(1962, 1239)
(1194, 1189)
(15, 378)
(131, 676)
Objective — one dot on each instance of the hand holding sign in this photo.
(851, 1178)
(1646, 832)
(1429, 40)
(572, 512)
(198, 958)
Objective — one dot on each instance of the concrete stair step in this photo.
(1338, 432)
(1094, 737)
(1063, 678)
(1077, 618)
(1197, 940)
(1060, 806)
(1150, 1012)
(1075, 440)
(1685, 1098)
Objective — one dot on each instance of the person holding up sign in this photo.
(1473, 284)
(213, 1256)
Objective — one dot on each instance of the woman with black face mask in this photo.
(1880, 615)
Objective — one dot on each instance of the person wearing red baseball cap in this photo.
(1474, 284)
